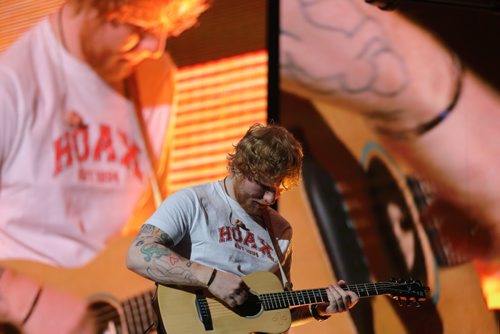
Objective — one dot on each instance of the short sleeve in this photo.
(10, 105)
(176, 214)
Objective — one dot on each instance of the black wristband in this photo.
(212, 277)
(423, 128)
(313, 308)
(32, 308)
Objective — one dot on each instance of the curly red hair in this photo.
(179, 14)
(268, 154)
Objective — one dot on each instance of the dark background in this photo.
(472, 33)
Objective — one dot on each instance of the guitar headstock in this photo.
(407, 292)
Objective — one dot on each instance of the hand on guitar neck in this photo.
(232, 290)
(340, 299)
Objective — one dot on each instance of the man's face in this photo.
(114, 48)
(255, 196)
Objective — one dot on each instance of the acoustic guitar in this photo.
(378, 202)
(195, 311)
(120, 299)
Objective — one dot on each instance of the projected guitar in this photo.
(119, 299)
(266, 310)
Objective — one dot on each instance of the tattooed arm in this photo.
(350, 53)
(399, 76)
(151, 256)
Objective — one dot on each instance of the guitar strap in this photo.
(277, 250)
(132, 92)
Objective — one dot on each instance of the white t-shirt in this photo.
(65, 191)
(201, 220)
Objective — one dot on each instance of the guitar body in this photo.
(193, 311)
(450, 284)
(121, 296)
(105, 275)
(367, 177)
(180, 316)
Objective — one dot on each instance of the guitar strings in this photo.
(107, 312)
(113, 316)
(279, 297)
(138, 320)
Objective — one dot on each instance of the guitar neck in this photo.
(280, 300)
(136, 314)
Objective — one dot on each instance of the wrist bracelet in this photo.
(212, 277)
(32, 308)
(313, 308)
(429, 125)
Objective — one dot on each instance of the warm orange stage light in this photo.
(215, 103)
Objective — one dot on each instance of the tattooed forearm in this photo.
(154, 251)
(183, 274)
(158, 261)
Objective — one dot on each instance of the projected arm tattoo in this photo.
(333, 49)
(163, 264)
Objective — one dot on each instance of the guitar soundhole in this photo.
(107, 317)
(250, 308)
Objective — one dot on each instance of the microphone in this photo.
(74, 120)
(492, 5)
(239, 223)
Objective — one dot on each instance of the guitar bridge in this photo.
(204, 311)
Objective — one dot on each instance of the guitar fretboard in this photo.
(137, 313)
(280, 300)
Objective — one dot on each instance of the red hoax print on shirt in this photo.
(245, 241)
(111, 146)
